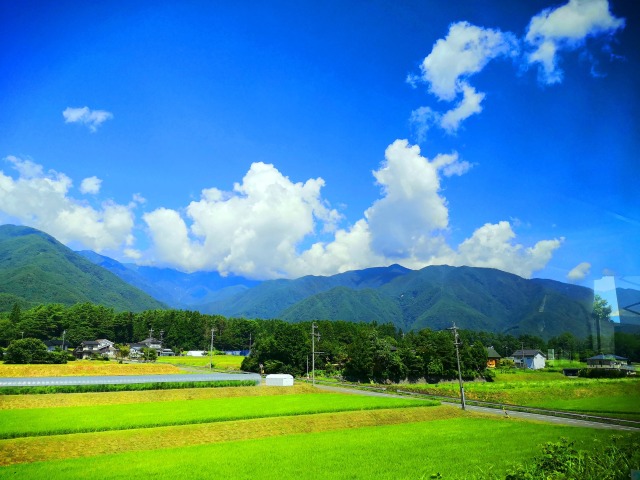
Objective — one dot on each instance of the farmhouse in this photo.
(611, 362)
(93, 348)
(493, 358)
(532, 359)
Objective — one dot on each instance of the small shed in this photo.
(279, 380)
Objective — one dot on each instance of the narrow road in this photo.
(494, 411)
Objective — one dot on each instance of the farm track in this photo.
(511, 411)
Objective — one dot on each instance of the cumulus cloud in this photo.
(253, 230)
(464, 52)
(493, 246)
(579, 272)
(256, 231)
(566, 28)
(91, 185)
(91, 118)
(41, 199)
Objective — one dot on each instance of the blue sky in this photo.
(277, 139)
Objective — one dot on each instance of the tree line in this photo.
(357, 351)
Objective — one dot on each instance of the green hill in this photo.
(434, 297)
(35, 268)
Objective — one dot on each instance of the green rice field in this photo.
(265, 432)
(220, 362)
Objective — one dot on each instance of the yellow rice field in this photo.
(86, 368)
(52, 400)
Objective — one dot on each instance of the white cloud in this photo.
(90, 185)
(579, 272)
(465, 51)
(421, 120)
(408, 225)
(41, 200)
(254, 230)
(469, 105)
(566, 28)
(91, 118)
(492, 246)
(411, 207)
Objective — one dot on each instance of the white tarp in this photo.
(279, 380)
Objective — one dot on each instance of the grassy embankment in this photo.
(409, 442)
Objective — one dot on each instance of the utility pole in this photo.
(211, 350)
(456, 342)
(63, 334)
(524, 366)
(314, 327)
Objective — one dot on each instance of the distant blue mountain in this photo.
(433, 297)
(176, 289)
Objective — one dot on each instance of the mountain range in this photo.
(36, 268)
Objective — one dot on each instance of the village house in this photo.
(531, 359)
(611, 362)
(493, 358)
(94, 348)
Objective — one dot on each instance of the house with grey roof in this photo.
(531, 359)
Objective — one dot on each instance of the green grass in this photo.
(617, 397)
(461, 448)
(64, 420)
(220, 362)
(124, 387)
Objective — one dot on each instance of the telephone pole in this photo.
(211, 350)
(456, 342)
(314, 334)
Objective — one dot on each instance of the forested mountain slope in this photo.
(35, 268)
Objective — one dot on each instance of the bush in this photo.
(31, 350)
(601, 373)
(561, 460)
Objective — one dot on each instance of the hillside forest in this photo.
(358, 351)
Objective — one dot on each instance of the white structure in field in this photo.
(195, 353)
(279, 380)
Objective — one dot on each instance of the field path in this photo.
(495, 411)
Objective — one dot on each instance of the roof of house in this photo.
(527, 353)
(491, 353)
(603, 356)
(90, 342)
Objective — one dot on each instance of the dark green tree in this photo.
(26, 350)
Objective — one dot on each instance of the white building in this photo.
(531, 359)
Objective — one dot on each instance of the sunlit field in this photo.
(86, 368)
(315, 435)
(612, 397)
(220, 362)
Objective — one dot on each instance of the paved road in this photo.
(124, 379)
(495, 411)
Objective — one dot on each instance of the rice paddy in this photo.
(86, 368)
(220, 362)
(270, 432)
